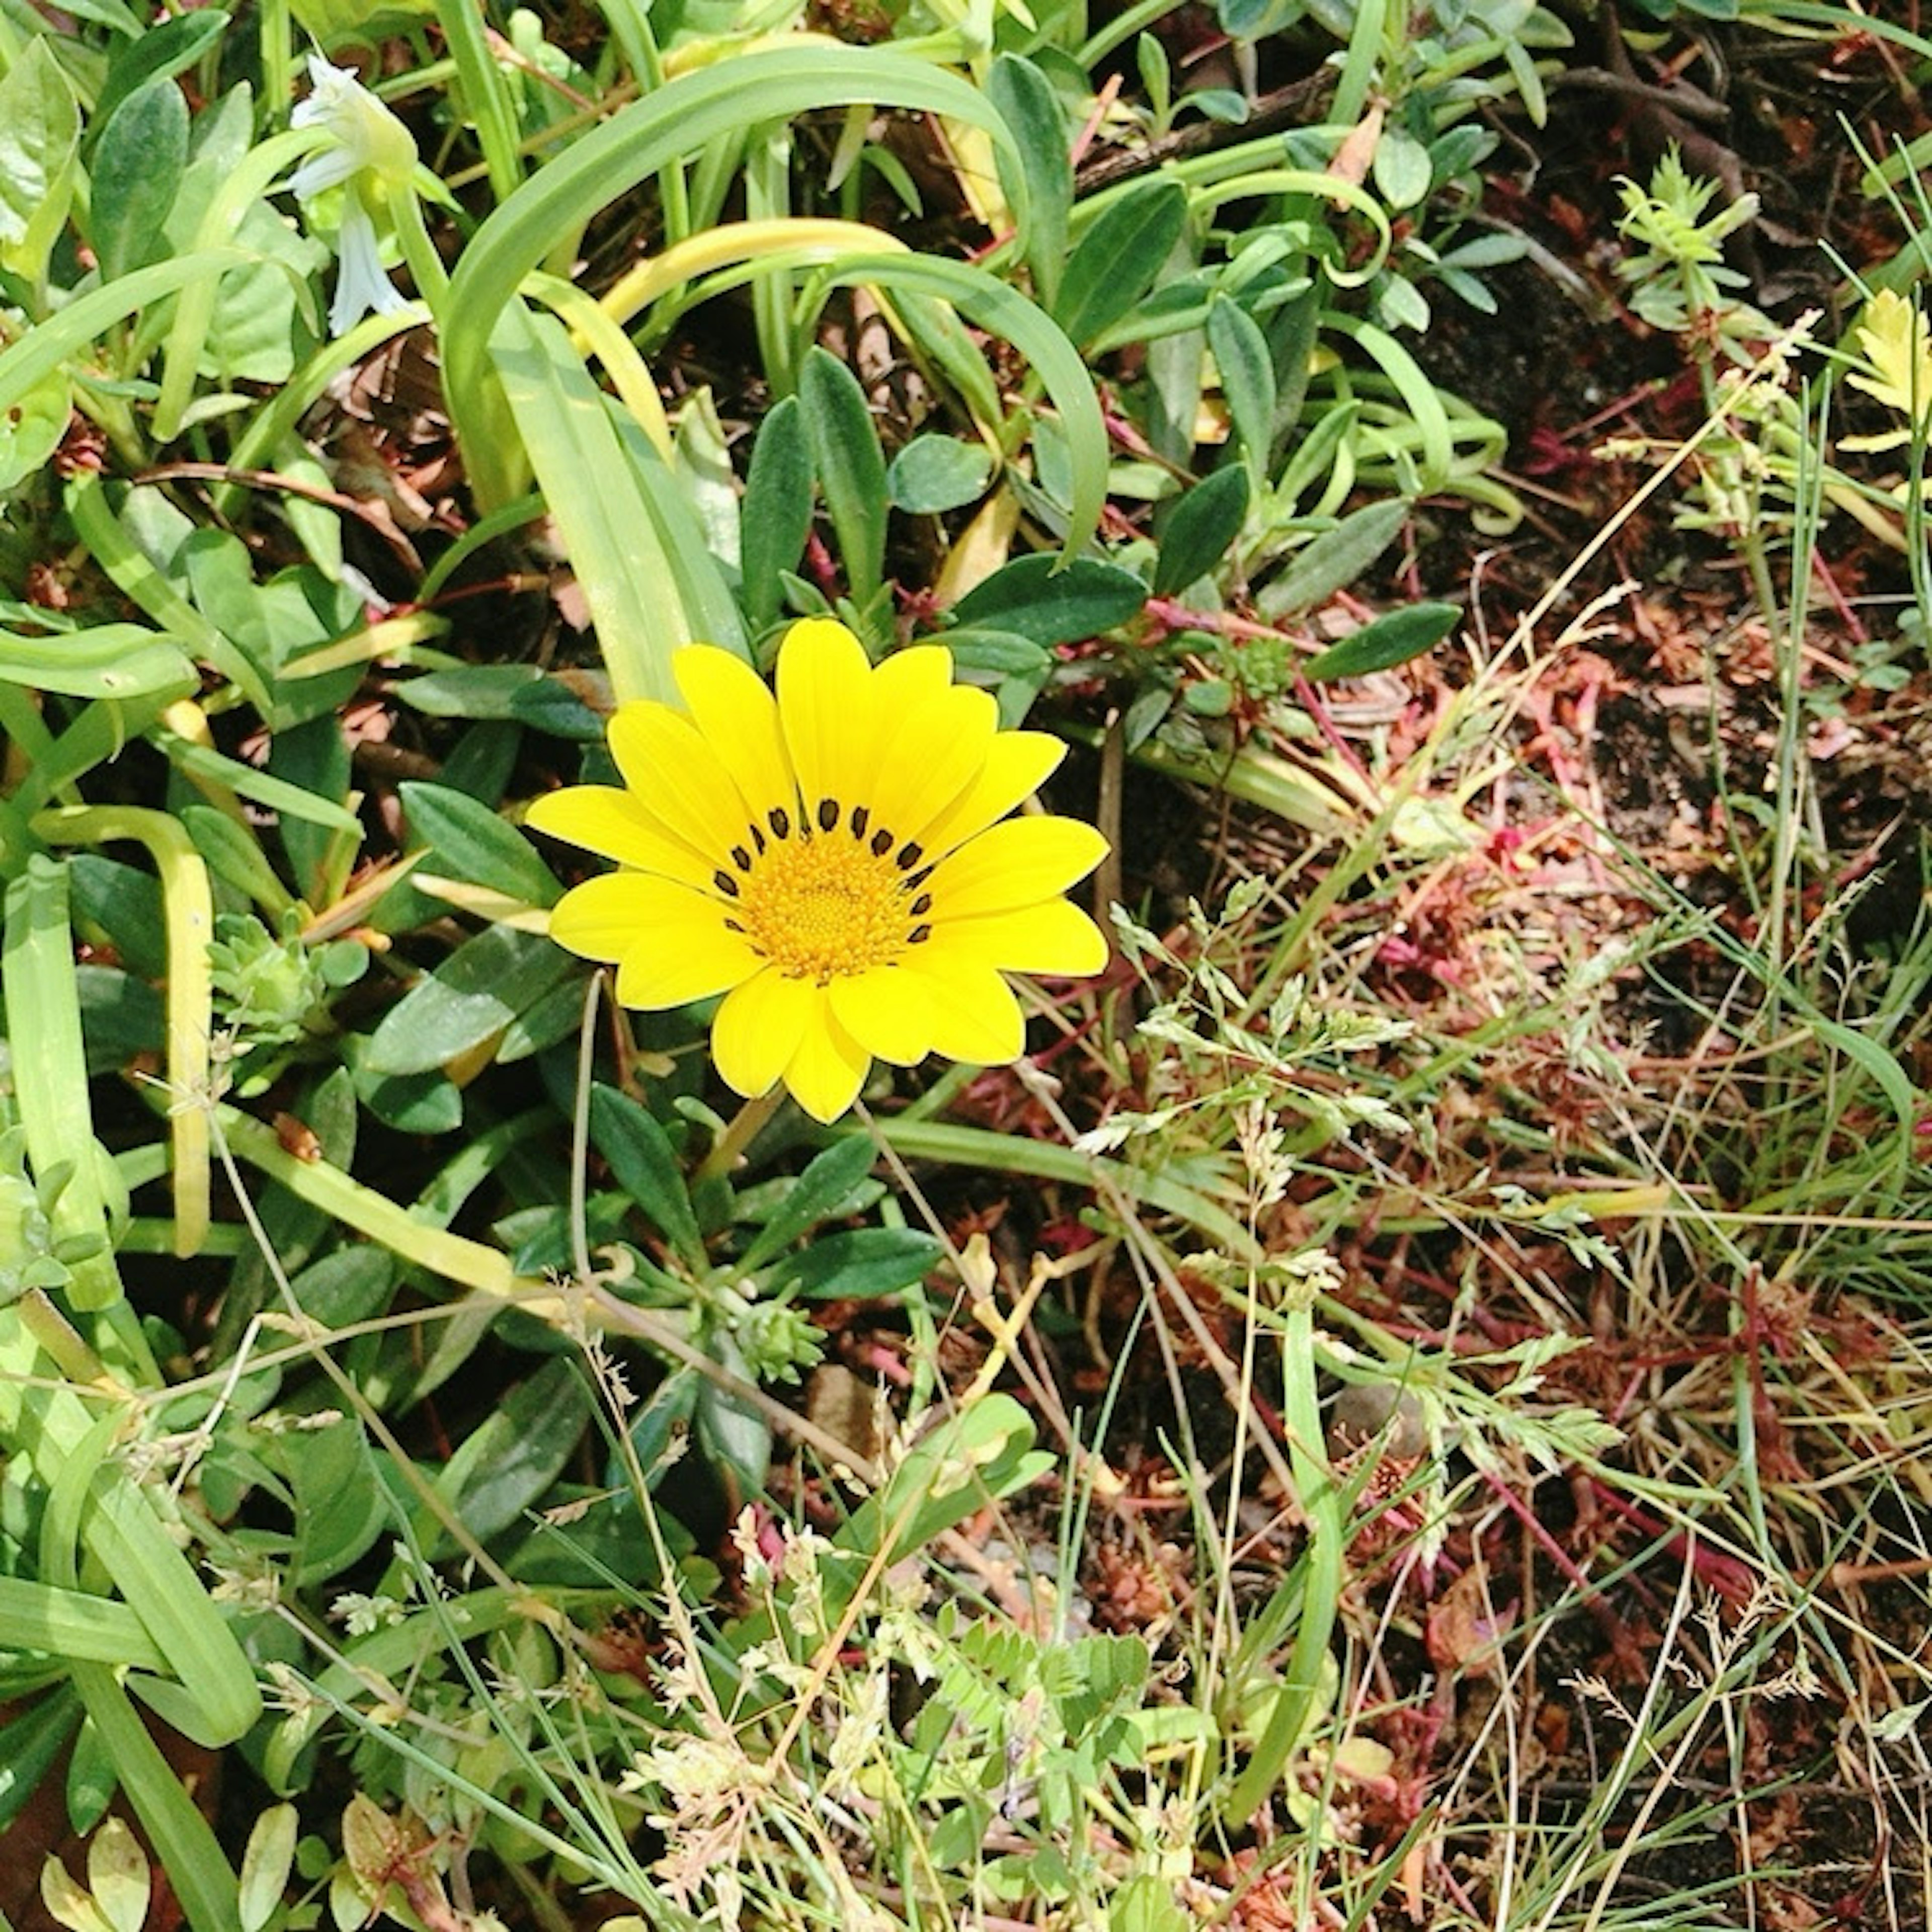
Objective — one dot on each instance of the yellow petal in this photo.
(1018, 863)
(676, 776)
(935, 755)
(1018, 764)
(602, 819)
(607, 918)
(734, 709)
(970, 1012)
(912, 676)
(758, 1028)
(684, 962)
(828, 1069)
(1053, 938)
(886, 1010)
(826, 710)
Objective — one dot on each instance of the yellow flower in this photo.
(833, 860)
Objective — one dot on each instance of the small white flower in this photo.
(366, 135)
(362, 284)
(369, 154)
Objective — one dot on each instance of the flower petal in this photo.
(886, 1011)
(1052, 937)
(1018, 764)
(685, 962)
(935, 755)
(1016, 864)
(734, 709)
(828, 1069)
(757, 1030)
(970, 1012)
(827, 708)
(676, 776)
(607, 918)
(605, 820)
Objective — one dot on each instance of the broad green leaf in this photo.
(469, 842)
(865, 1263)
(1333, 560)
(851, 465)
(235, 856)
(1402, 169)
(645, 1165)
(472, 995)
(472, 691)
(40, 137)
(169, 47)
(32, 1742)
(266, 1862)
(775, 519)
(1242, 355)
(1027, 101)
(32, 431)
(135, 174)
(1052, 606)
(1119, 257)
(735, 1437)
(1201, 530)
(340, 1505)
(1393, 638)
(512, 1457)
(933, 473)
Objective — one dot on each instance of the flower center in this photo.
(827, 899)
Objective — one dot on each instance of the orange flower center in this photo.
(828, 899)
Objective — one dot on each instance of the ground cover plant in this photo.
(965, 964)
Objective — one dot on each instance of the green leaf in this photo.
(1053, 607)
(236, 857)
(1201, 530)
(30, 1743)
(863, 1263)
(934, 473)
(735, 1437)
(1393, 638)
(516, 1453)
(1119, 257)
(119, 660)
(170, 46)
(40, 137)
(826, 1186)
(30, 432)
(645, 1165)
(469, 842)
(341, 1506)
(851, 467)
(1402, 169)
(121, 1017)
(1242, 355)
(135, 174)
(1030, 105)
(471, 996)
(633, 539)
(775, 519)
(473, 690)
(1333, 560)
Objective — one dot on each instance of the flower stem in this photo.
(739, 1132)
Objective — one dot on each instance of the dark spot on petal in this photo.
(732, 926)
(741, 858)
(919, 935)
(910, 856)
(918, 879)
(725, 884)
(757, 837)
(882, 843)
(861, 816)
(779, 820)
(923, 904)
(828, 814)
